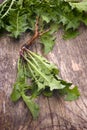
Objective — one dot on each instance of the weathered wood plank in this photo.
(55, 114)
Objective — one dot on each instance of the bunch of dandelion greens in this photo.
(44, 78)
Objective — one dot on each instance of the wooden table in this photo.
(55, 114)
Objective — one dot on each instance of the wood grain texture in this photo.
(55, 114)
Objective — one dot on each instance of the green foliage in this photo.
(17, 24)
(33, 107)
(20, 88)
(70, 34)
(48, 41)
(44, 80)
(1, 24)
(16, 16)
(69, 93)
(42, 72)
(81, 6)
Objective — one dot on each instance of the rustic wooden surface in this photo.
(55, 113)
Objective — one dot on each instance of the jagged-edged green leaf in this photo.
(69, 93)
(17, 24)
(81, 6)
(48, 41)
(33, 107)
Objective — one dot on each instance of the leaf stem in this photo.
(34, 67)
(8, 9)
